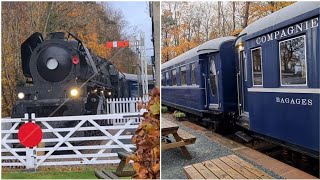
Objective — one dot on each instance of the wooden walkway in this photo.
(227, 167)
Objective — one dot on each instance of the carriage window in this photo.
(163, 79)
(193, 73)
(174, 77)
(213, 76)
(256, 66)
(167, 78)
(183, 75)
(293, 61)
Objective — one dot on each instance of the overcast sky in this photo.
(137, 14)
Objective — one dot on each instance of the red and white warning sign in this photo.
(118, 44)
(30, 134)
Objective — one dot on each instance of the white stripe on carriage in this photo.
(182, 87)
(287, 90)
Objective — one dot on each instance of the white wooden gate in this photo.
(69, 144)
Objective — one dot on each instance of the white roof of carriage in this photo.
(207, 47)
(279, 16)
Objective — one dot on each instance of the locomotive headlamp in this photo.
(74, 92)
(109, 93)
(52, 64)
(20, 95)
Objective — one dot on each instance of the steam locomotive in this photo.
(65, 78)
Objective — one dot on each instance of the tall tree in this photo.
(246, 14)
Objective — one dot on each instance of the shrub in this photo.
(164, 109)
(179, 114)
(147, 139)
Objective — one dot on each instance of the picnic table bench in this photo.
(227, 167)
(104, 174)
(182, 138)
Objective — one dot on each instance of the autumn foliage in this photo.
(94, 23)
(147, 139)
(187, 24)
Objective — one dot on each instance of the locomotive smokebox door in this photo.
(54, 62)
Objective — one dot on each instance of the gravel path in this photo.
(172, 161)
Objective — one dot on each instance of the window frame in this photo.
(175, 78)
(305, 59)
(195, 75)
(185, 70)
(163, 79)
(167, 78)
(253, 67)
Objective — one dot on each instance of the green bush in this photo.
(164, 109)
(179, 114)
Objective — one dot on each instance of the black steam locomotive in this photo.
(65, 78)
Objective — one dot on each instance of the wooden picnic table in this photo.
(120, 172)
(181, 137)
(227, 167)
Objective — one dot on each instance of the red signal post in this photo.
(118, 44)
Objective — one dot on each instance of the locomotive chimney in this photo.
(57, 35)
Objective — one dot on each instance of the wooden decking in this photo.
(227, 167)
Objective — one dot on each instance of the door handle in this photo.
(205, 89)
(238, 91)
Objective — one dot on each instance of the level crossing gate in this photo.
(70, 145)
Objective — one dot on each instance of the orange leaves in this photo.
(92, 42)
(236, 32)
(147, 139)
(185, 25)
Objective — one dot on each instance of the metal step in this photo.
(244, 136)
(243, 121)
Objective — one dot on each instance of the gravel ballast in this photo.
(172, 161)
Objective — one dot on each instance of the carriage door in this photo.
(213, 90)
(241, 83)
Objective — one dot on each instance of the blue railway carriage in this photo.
(135, 87)
(278, 77)
(202, 80)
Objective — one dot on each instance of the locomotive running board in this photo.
(244, 136)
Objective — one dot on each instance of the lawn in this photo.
(76, 172)
(49, 175)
